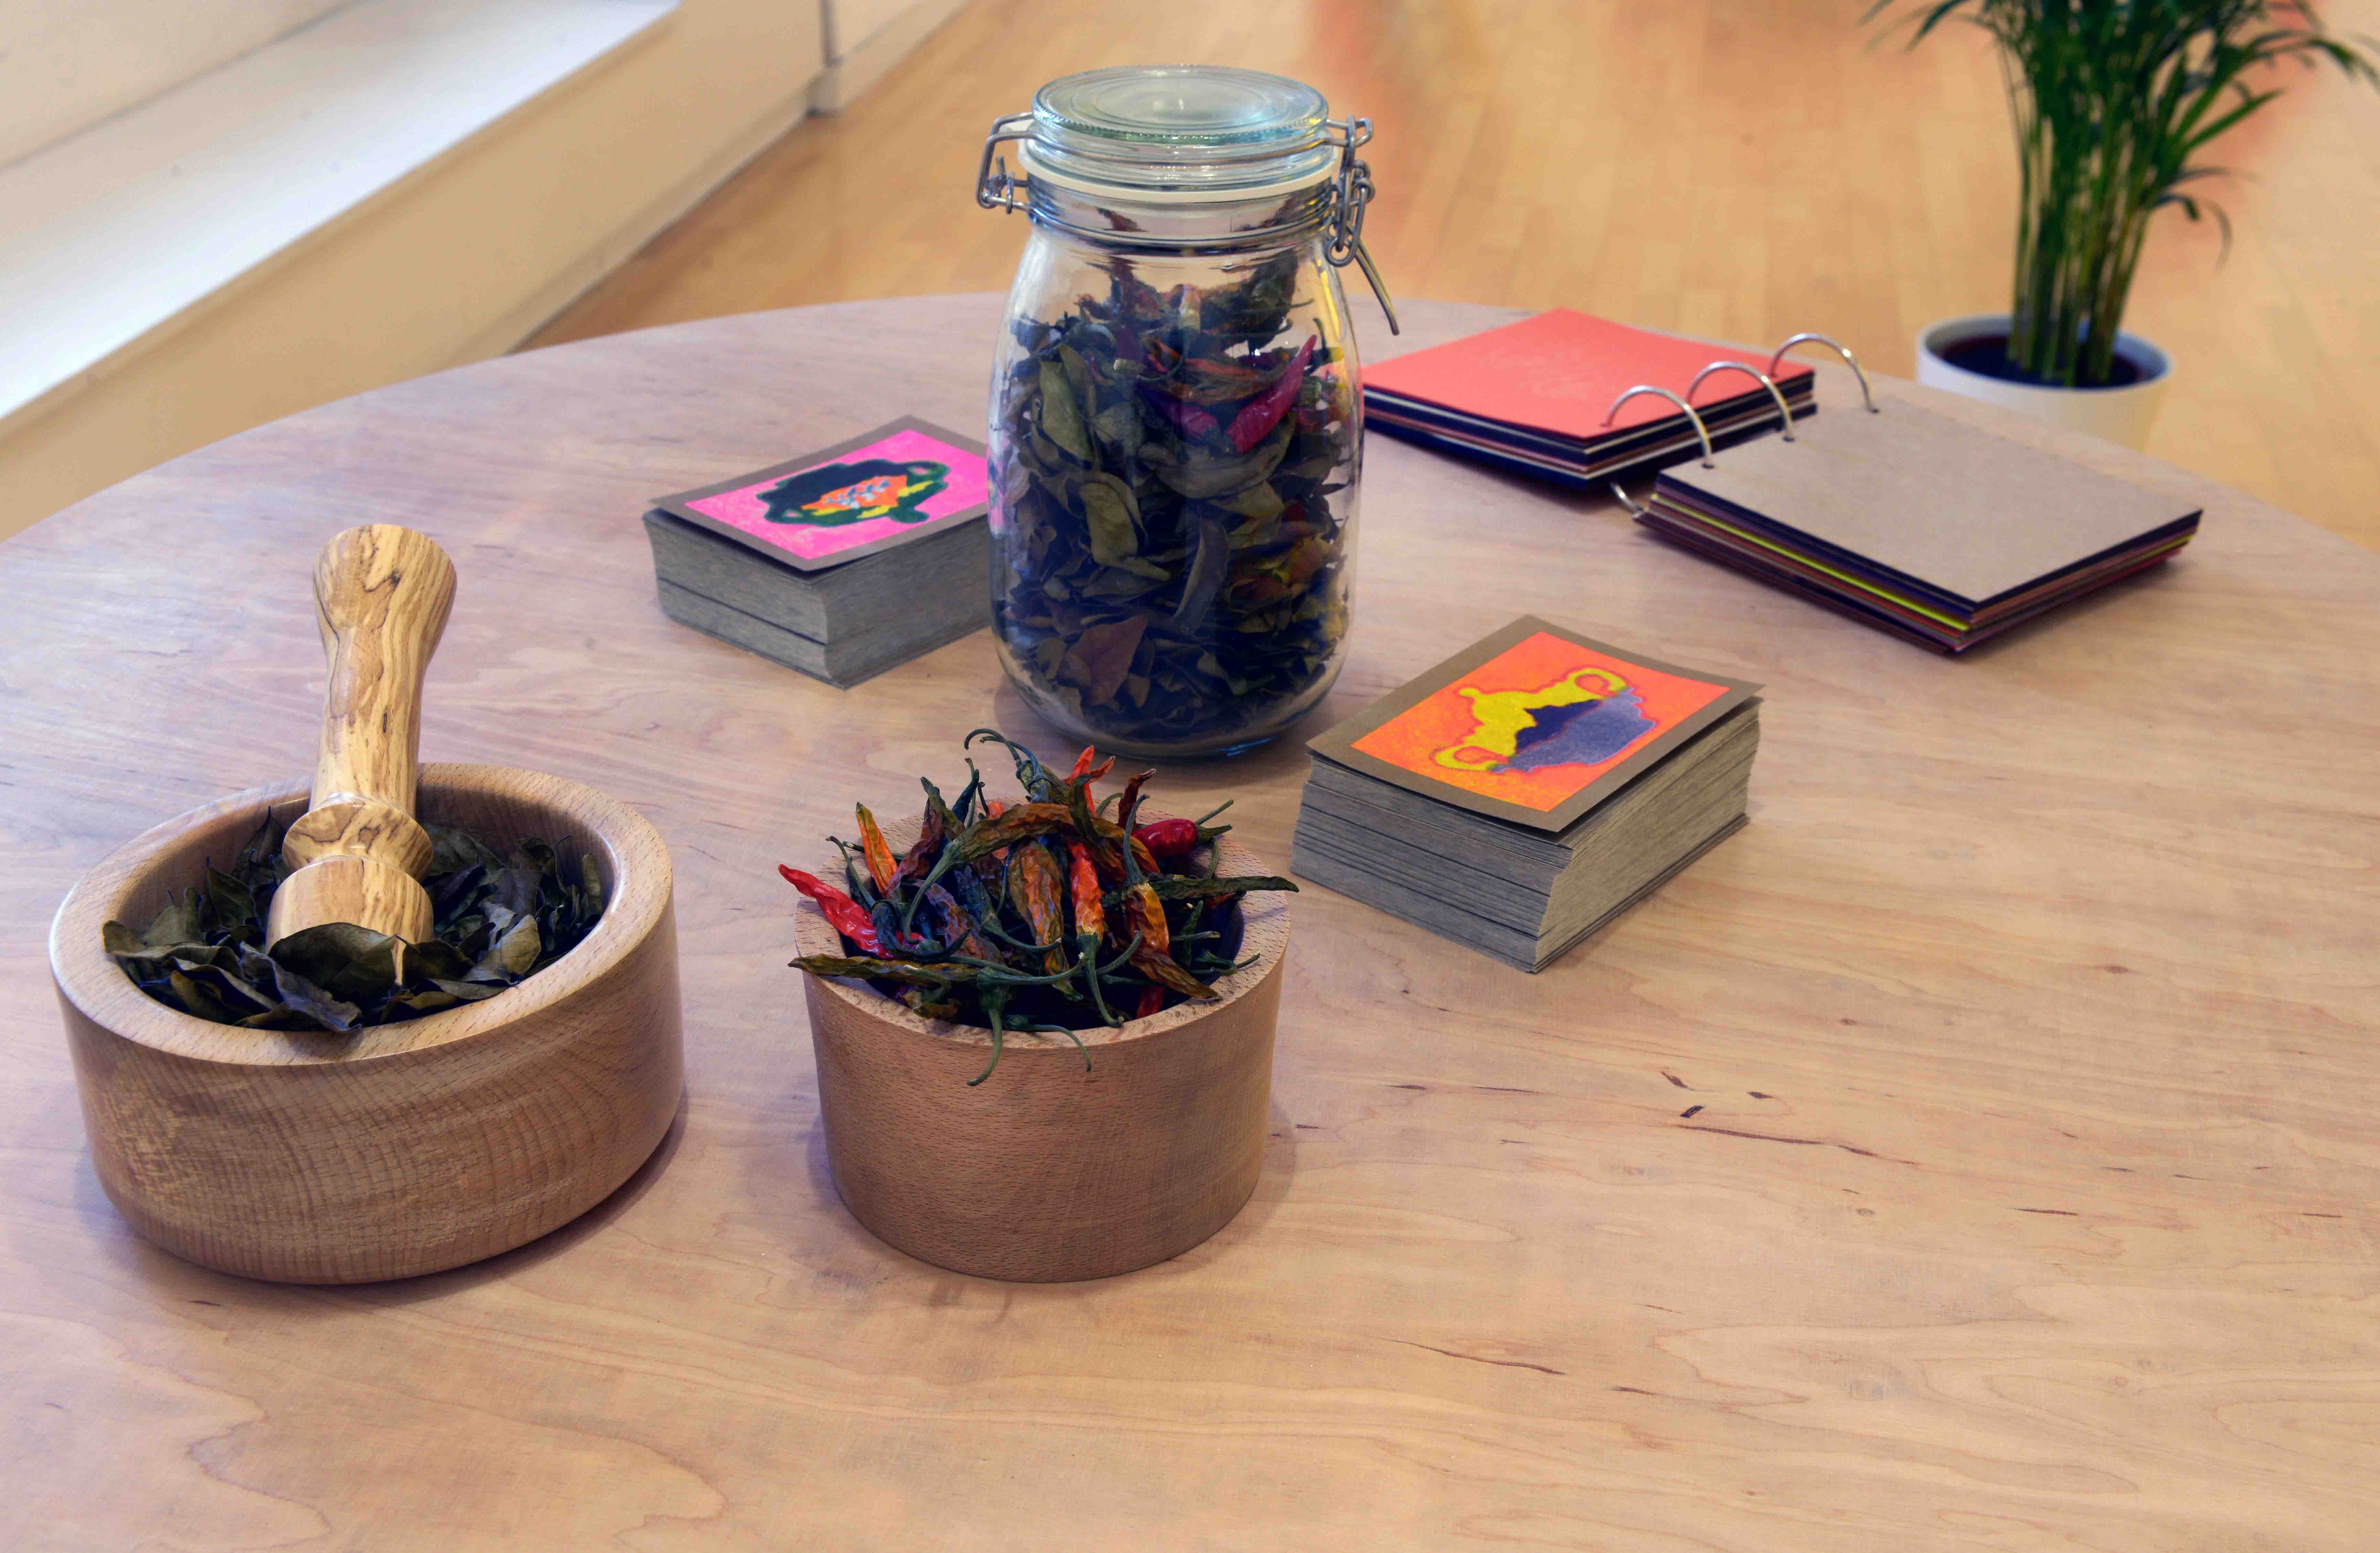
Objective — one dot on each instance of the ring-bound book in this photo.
(1537, 396)
(1930, 528)
(842, 563)
(1528, 790)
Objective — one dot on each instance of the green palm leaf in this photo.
(2111, 99)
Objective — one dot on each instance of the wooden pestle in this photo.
(381, 594)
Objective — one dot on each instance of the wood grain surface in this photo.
(1976, 1152)
(381, 596)
(400, 1149)
(1076, 1159)
(1737, 168)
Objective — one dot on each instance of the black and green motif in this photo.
(834, 495)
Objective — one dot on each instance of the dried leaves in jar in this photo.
(1172, 472)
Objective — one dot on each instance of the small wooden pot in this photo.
(400, 1149)
(1047, 1172)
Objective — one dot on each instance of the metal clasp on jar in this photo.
(1347, 211)
(996, 188)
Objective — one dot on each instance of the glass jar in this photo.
(1176, 429)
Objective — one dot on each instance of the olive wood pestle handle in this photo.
(382, 594)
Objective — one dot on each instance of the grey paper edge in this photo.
(674, 505)
(1337, 742)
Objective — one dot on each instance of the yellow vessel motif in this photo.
(1503, 716)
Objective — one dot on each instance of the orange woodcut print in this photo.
(1537, 723)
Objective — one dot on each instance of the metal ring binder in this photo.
(1701, 431)
(1784, 412)
(1836, 347)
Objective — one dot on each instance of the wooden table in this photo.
(1976, 1152)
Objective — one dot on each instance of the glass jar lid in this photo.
(1154, 135)
(1180, 132)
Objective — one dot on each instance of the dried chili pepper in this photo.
(1031, 775)
(1178, 888)
(1012, 915)
(995, 1004)
(880, 867)
(1017, 822)
(1145, 918)
(1082, 879)
(1253, 424)
(842, 911)
(958, 926)
(924, 973)
(990, 870)
(923, 1005)
(919, 861)
(899, 940)
(1035, 888)
(937, 827)
(1168, 838)
(1144, 915)
(1129, 803)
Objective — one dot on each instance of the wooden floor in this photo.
(1713, 166)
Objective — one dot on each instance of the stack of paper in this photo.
(1527, 790)
(1917, 523)
(839, 563)
(1533, 396)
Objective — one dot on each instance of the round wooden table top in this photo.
(1977, 1151)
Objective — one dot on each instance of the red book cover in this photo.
(1559, 372)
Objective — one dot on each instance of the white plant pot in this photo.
(2121, 415)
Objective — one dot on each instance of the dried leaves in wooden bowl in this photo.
(501, 919)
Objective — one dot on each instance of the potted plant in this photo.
(2113, 102)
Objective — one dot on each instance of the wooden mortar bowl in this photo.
(1046, 1173)
(310, 1157)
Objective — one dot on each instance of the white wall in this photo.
(850, 23)
(866, 38)
(65, 64)
(461, 259)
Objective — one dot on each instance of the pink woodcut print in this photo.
(869, 495)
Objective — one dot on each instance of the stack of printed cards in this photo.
(1527, 790)
(839, 563)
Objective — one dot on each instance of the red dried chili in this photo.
(1168, 838)
(842, 911)
(1264, 412)
(1090, 912)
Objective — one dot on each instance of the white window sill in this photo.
(110, 235)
